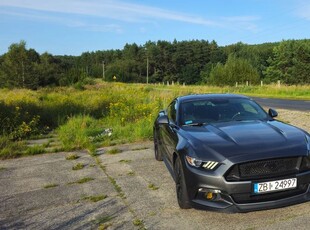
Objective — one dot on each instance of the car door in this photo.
(170, 131)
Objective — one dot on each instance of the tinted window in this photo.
(172, 111)
(220, 110)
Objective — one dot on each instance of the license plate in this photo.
(273, 186)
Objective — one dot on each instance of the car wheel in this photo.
(181, 189)
(158, 153)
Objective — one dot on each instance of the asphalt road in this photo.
(301, 105)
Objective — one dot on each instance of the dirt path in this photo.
(131, 190)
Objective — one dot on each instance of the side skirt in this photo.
(169, 167)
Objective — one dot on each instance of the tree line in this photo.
(190, 62)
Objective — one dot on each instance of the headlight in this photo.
(209, 165)
(193, 161)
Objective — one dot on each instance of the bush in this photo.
(17, 122)
(77, 132)
(9, 148)
(235, 70)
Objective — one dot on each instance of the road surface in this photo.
(301, 105)
(127, 190)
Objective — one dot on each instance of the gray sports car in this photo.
(226, 153)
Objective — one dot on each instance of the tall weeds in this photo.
(83, 115)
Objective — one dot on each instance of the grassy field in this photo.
(102, 114)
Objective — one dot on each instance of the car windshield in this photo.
(220, 110)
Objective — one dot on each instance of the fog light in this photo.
(209, 195)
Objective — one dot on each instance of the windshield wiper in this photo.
(196, 124)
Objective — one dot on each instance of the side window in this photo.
(249, 108)
(172, 112)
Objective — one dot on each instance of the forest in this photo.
(191, 62)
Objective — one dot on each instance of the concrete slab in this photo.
(25, 203)
(147, 187)
(134, 171)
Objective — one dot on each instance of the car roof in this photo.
(194, 97)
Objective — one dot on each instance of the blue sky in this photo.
(75, 26)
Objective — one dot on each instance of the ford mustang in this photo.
(226, 153)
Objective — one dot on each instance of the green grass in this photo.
(50, 186)
(117, 187)
(114, 151)
(102, 220)
(78, 166)
(57, 150)
(111, 179)
(34, 150)
(138, 222)
(81, 118)
(82, 180)
(104, 226)
(10, 149)
(124, 161)
(72, 156)
(77, 133)
(131, 173)
(153, 186)
(94, 198)
(2, 168)
(47, 144)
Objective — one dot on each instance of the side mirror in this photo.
(161, 113)
(163, 120)
(272, 113)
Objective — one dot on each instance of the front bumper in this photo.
(238, 196)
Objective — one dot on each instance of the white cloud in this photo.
(64, 21)
(122, 11)
(107, 9)
(303, 10)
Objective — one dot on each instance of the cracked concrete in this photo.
(25, 203)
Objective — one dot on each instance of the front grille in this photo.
(264, 168)
(242, 198)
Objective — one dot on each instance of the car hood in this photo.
(246, 139)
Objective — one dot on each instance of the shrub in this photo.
(9, 148)
(77, 132)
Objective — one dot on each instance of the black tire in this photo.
(158, 153)
(181, 189)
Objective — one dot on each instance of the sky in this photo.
(71, 27)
